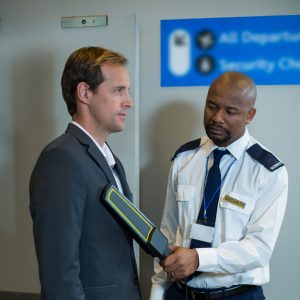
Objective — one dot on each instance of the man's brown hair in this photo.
(84, 65)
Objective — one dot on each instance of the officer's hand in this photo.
(181, 263)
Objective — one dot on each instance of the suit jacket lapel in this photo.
(120, 170)
(92, 150)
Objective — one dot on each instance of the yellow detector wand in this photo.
(139, 227)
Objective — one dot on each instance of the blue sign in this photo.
(196, 51)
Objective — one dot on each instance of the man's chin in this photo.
(120, 128)
(218, 139)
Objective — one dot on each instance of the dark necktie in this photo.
(208, 211)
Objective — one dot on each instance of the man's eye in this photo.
(231, 112)
(119, 91)
(212, 107)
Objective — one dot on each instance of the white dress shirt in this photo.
(245, 235)
(107, 155)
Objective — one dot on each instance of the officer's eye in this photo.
(232, 112)
(212, 106)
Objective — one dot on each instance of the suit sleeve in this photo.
(57, 195)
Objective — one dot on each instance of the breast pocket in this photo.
(187, 213)
(185, 192)
(235, 212)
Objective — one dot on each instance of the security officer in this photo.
(225, 202)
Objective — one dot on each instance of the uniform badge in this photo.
(234, 201)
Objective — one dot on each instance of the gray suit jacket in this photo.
(83, 253)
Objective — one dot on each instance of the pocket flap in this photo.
(185, 192)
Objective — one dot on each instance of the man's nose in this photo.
(128, 102)
(218, 116)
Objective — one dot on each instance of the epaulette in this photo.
(266, 158)
(187, 146)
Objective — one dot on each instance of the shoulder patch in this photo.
(187, 146)
(266, 158)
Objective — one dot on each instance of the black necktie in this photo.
(122, 177)
(208, 211)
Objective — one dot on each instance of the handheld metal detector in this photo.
(142, 230)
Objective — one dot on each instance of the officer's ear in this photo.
(250, 115)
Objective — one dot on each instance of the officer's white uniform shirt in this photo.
(245, 234)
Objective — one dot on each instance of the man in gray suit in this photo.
(83, 253)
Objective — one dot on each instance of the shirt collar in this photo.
(236, 149)
(104, 149)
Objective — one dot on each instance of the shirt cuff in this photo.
(157, 292)
(207, 259)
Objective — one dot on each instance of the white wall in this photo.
(160, 109)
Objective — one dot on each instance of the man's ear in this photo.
(250, 115)
(82, 92)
